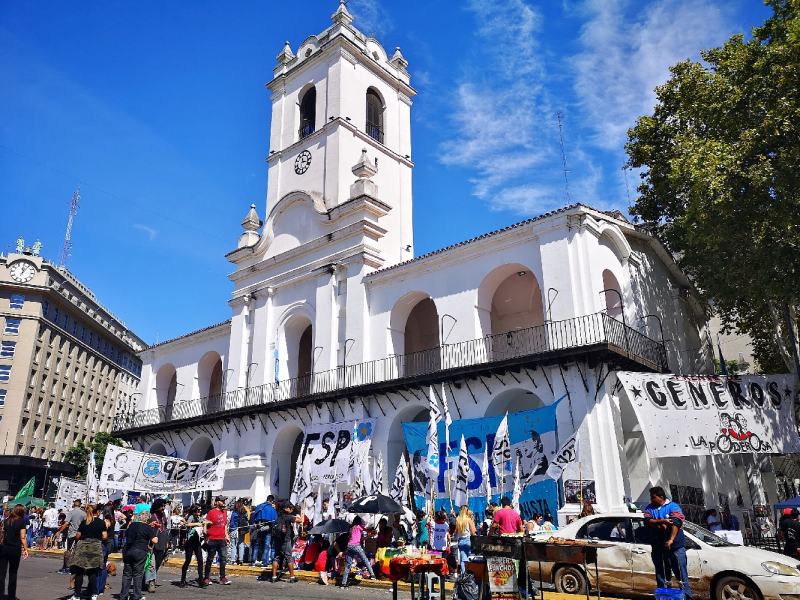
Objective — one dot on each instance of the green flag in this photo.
(27, 489)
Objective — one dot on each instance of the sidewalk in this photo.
(175, 562)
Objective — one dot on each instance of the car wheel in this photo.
(570, 580)
(736, 588)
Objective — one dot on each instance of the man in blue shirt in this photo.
(261, 520)
(666, 518)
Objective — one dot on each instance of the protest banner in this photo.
(125, 469)
(699, 416)
(532, 442)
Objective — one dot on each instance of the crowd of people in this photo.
(274, 536)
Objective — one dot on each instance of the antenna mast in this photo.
(560, 115)
(73, 210)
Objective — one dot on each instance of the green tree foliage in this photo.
(720, 160)
(79, 454)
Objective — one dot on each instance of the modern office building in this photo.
(66, 362)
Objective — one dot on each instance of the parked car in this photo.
(718, 570)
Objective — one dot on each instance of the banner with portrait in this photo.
(697, 416)
(125, 469)
(70, 490)
(533, 441)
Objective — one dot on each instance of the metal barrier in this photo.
(578, 332)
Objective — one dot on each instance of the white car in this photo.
(718, 570)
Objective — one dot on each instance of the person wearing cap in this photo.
(217, 538)
(283, 540)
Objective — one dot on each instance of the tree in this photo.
(80, 453)
(720, 159)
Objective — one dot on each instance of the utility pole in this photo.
(73, 210)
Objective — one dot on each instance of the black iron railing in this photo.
(375, 131)
(305, 130)
(579, 332)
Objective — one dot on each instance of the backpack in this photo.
(279, 528)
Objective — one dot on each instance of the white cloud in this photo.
(626, 57)
(370, 17)
(503, 129)
(151, 233)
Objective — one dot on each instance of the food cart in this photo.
(531, 553)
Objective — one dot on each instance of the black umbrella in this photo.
(330, 526)
(375, 504)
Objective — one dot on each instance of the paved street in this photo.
(38, 580)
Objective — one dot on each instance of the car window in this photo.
(606, 530)
(641, 532)
(705, 536)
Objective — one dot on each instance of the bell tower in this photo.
(339, 101)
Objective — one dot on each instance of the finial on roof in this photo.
(251, 223)
(286, 54)
(342, 16)
(364, 169)
(397, 60)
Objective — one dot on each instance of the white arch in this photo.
(201, 449)
(165, 392)
(205, 371)
(396, 442)
(158, 448)
(513, 400)
(617, 240)
(398, 319)
(283, 459)
(613, 303)
(488, 287)
(291, 325)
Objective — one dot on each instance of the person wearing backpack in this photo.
(139, 537)
(262, 519)
(283, 536)
(13, 548)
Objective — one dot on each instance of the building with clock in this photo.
(66, 363)
(334, 317)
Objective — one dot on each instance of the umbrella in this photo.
(375, 504)
(27, 501)
(330, 526)
(129, 507)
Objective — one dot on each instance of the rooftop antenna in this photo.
(627, 187)
(73, 210)
(560, 116)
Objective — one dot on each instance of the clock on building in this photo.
(22, 271)
(302, 162)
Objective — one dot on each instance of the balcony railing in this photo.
(553, 336)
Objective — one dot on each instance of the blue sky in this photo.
(160, 109)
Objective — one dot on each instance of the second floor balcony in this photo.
(598, 333)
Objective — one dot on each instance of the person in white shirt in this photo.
(712, 519)
(50, 525)
(534, 526)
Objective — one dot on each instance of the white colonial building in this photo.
(334, 318)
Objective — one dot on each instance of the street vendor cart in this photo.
(560, 551)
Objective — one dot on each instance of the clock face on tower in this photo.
(302, 162)
(22, 271)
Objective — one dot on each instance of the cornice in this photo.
(358, 253)
(361, 227)
(352, 54)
